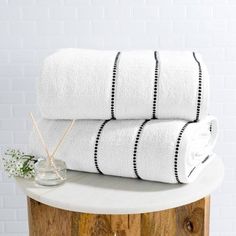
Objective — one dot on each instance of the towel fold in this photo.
(159, 150)
(91, 84)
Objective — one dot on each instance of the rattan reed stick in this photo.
(49, 157)
(68, 129)
(40, 135)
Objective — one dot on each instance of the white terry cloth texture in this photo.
(172, 151)
(93, 84)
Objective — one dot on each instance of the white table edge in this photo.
(130, 210)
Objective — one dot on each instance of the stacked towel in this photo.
(90, 84)
(140, 114)
(160, 150)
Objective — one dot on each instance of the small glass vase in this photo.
(50, 172)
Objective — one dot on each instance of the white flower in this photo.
(16, 163)
(31, 164)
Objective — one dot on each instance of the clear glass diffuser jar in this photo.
(50, 173)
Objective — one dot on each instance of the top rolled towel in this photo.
(92, 84)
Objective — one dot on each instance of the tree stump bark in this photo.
(188, 220)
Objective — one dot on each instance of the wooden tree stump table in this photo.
(95, 205)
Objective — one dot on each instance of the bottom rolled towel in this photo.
(171, 151)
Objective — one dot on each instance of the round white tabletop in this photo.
(98, 194)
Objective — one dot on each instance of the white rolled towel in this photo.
(159, 150)
(92, 84)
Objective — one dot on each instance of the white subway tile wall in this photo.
(32, 29)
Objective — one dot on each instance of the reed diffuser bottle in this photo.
(50, 171)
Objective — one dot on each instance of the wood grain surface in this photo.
(187, 220)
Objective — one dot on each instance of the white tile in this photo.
(14, 202)
(10, 13)
(36, 42)
(230, 53)
(51, 3)
(49, 27)
(20, 2)
(16, 227)
(76, 3)
(35, 13)
(225, 11)
(201, 11)
(2, 228)
(3, 57)
(5, 85)
(172, 12)
(31, 70)
(22, 214)
(6, 137)
(22, 56)
(182, 26)
(25, 84)
(79, 28)
(119, 12)
(30, 98)
(198, 41)
(21, 137)
(3, 3)
(12, 124)
(127, 2)
(22, 28)
(22, 111)
(145, 13)
(5, 111)
(7, 214)
(132, 27)
(106, 3)
(57, 42)
(170, 41)
(90, 12)
(4, 28)
(9, 43)
(6, 189)
(11, 98)
(62, 13)
(10, 70)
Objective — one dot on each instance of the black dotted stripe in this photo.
(177, 151)
(154, 116)
(136, 148)
(96, 145)
(210, 128)
(191, 171)
(201, 163)
(113, 88)
(205, 159)
(199, 87)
